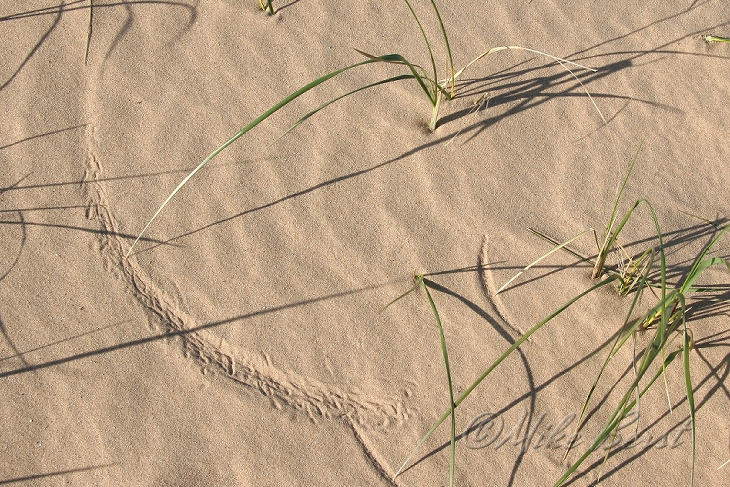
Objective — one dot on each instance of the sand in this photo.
(244, 341)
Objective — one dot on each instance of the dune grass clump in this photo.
(433, 88)
(667, 319)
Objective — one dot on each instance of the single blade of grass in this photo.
(421, 282)
(494, 365)
(325, 105)
(690, 393)
(243, 131)
(555, 249)
(448, 48)
(421, 77)
(566, 249)
(716, 39)
(445, 354)
(430, 51)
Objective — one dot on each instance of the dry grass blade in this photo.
(555, 249)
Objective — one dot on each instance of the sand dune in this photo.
(244, 340)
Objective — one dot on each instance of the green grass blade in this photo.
(243, 131)
(494, 365)
(688, 386)
(325, 105)
(709, 39)
(445, 353)
(448, 49)
(701, 263)
(415, 286)
(430, 52)
(421, 77)
(610, 234)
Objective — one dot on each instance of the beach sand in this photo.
(245, 342)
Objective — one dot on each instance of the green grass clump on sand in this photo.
(433, 88)
(667, 319)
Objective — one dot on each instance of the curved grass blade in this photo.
(243, 131)
(325, 105)
(494, 365)
(448, 49)
(428, 46)
(504, 48)
(398, 59)
(445, 354)
(701, 263)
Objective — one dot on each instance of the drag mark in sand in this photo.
(251, 368)
(486, 279)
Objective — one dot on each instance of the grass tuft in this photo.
(667, 319)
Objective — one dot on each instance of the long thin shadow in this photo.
(479, 311)
(82, 229)
(18, 187)
(18, 353)
(56, 20)
(182, 333)
(39, 476)
(53, 132)
(63, 340)
(23, 239)
(297, 194)
(719, 379)
(287, 5)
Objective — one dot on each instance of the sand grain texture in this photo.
(243, 342)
